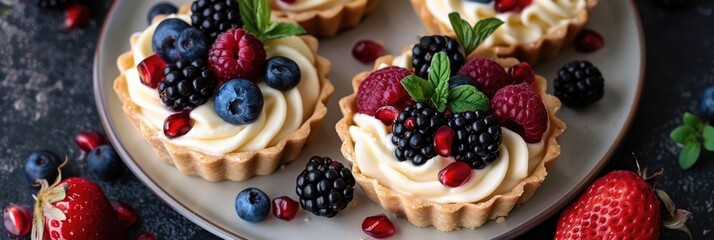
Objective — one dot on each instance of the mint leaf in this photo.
(692, 120)
(255, 15)
(262, 15)
(467, 98)
(248, 12)
(485, 28)
(708, 135)
(689, 155)
(681, 134)
(418, 88)
(282, 30)
(463, 31)
(439, 73)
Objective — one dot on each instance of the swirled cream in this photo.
(374, 154)
(282, 114)
(539, 18)
(306, 5)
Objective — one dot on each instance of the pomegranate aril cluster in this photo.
(477, 138)
(325, 187)
(413, 133)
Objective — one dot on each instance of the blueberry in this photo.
(159, 9)
(164, 42)
(239, 101)
(706, 105)
(192, 44)
(252, 205)
(281, 73)
(42, 164)
(458, 80)
(104, 161)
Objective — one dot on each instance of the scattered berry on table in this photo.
(252, 205)
(88, 140)
(378, 226)
(76, 16)
(477, 139)
(162, 8)
(125, 212)
(588, 41)
(104, 161)
(706, 104)
(51, 4)
(186, 85)
(455, 174)
(522, 73)
(325, 187)
(17, 220)
(192, 44)
(237, 54)
(520, 109)
(487, 74)
(366, 51)
(285, 208)
(502, 6)
(579, 84)
(146, 236)
(164, 42)
(213, 17)
(41, 164)
(383, 88)
(443, 140)
(178, 124)
(239, 101)
(282, 73)
(428, 46)
(386, 114)
(151, 71)
(460, 80)
(413, 133)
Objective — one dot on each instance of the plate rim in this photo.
(219, 231)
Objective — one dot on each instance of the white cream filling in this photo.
(283, 112)
(539, 18)
(306, 5)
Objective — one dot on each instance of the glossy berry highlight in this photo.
(17, 220)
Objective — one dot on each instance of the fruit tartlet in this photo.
(225, 94)
(447, 143)
(324, 18)
(534, 30)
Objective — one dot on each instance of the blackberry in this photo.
(213, 17)
(186, 84)
(51, 4)
(477, 138)
(325, 187)
(413, 133)
(579, 84)
(428, 46)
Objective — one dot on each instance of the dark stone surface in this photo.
(46, 98)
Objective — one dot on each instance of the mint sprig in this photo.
(692, 135)
(255, 15)
(472, 36)
(436, 89)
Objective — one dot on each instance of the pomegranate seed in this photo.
(386, 114)
(88, 140)
(285, 208)
(366, 51)
(178, 124)
(76, 16)
(455, 174)
(511, 5)
(125, 212)
(288, 1)
(522, 72)
(410, 123)
(151, 71)
(17, 220)
(378, 226)
(146, 236)
(588, 41)
(442, 141)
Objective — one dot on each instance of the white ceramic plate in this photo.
(592, 135)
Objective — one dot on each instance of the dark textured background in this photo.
(46, 98)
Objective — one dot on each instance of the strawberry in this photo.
(620, 205)
(75, 208)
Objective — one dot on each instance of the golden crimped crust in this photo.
(327, 22)
(447, 217)
(543, 49)
(235, 166)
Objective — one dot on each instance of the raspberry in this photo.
(488, 75)
(520, 108)
(579, 84)
(236, 54)
(383, 88)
